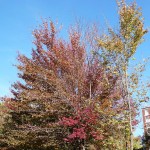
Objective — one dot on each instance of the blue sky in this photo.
(19, 18)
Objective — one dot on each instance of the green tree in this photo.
(137, 143)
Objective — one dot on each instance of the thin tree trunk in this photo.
(130, 111)
(90, 90)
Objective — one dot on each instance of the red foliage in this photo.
(78, 133)
(68, 121)
(81, 125)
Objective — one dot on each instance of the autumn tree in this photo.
(75, 93)
(64, 97)
(119, 47)
(4, 115)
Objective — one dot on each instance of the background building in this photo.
(146, 120)
(146, 123)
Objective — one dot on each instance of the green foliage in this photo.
(137, 143)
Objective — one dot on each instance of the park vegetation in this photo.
(76, 94)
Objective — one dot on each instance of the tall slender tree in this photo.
(122, 46)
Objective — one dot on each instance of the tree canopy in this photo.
(72, 98)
